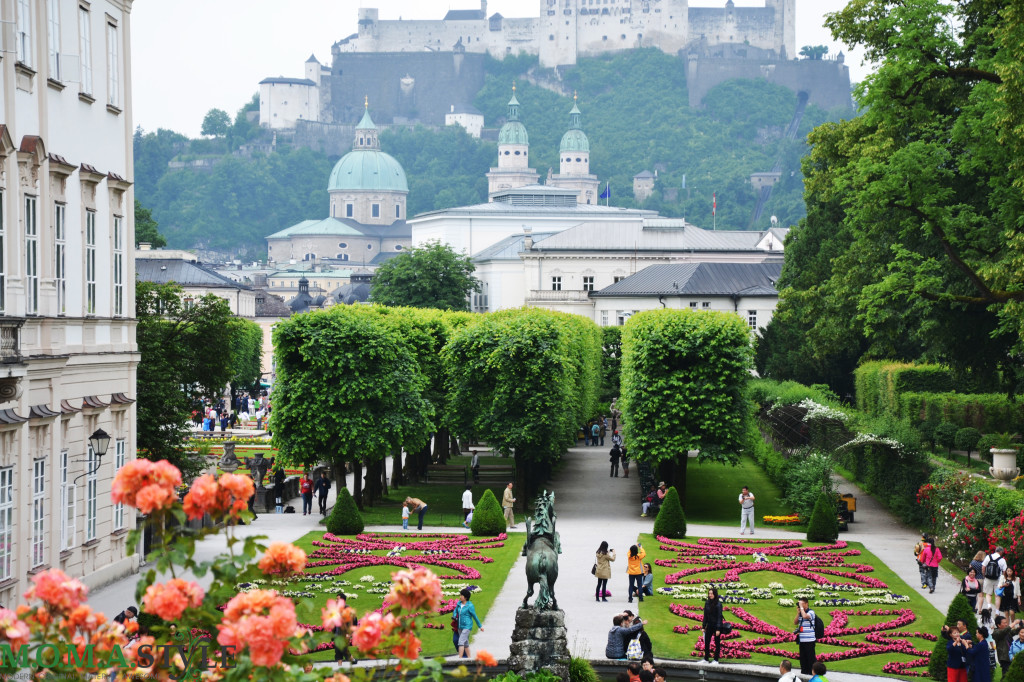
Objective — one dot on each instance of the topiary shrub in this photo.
(487, 517)
(959, 609)
(824, 525)
(671, 521)
(967, 439)
(344, 518)
(1015, 673)
(945, 436)
(580, 670)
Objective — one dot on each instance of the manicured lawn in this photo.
(766, 613)
(365, 596)
(712, 491)
(444, 504)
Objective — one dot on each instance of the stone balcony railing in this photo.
(563, 296)
(10, 339)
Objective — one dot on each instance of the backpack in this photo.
(819, 627)
(992, 569)
(634, 652)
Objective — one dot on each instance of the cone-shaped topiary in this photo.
(487, 517)
(671, 521)
(344, 519)
(823, 526)
(959, 609)
(1015, 672)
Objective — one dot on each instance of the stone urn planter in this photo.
(1004, 466)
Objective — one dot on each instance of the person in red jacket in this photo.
(306, 488)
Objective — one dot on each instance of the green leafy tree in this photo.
(488, 518)
(611, 363)
(429, 276)
(177, 367)
(359, 376)
(959, 609)
(967, 439)
(683, 379)
(813, 51)
(671, 520)
(824, 523)
(146, 228)
(945, 436)
(344, 518)
(216, 123)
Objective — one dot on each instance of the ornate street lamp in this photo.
(99, 441)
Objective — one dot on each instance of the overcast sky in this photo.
(189, 56)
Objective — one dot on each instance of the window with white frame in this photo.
(693, 304)
(90, 262)
(113, 67)
(119, 456)
(91, 496)
(38, 512)
(31, 255)
(53, 38)
(68, 500)
(24, 29)
(118, 266)
(3, 256)
(604, 318)
(556, 284)
(85, 47)
(59, 255)
(6, 522)
(752, 319)
(588, 283)
(705, 304)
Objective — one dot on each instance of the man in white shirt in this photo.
(746, 510)
(467, 501)
(787, 672)
(990, 584)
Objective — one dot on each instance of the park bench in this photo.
(497, 473)
(446, 473)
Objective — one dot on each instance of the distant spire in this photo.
(513, 105)
(574, 115)
(366, 102)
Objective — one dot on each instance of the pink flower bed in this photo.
(452, 553)
(820, 564)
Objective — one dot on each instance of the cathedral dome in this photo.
(575, 141)
(368, 169)
(513, 132)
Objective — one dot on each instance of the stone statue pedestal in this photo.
(264, 502)
(539, 642)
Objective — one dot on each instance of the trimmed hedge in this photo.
(959, 609)
(671, 520)
(880, 384)
(488, 519)
(1016, 671)
(986, 412)
(344, 518)
(823, 526)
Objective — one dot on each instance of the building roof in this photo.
(269, 305)
(580, 211)
(328, 226)
(465, 15)
(574, 140)
(657, 234)
(508, 248)
(465, 109)
(644, 174)
(288, 81)
(698, 279)
(182, 272)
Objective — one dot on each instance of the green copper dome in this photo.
(513, 132)
(368, 169)
(575, 141)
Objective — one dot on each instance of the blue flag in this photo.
(607, 191)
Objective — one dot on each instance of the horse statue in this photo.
(541, 550)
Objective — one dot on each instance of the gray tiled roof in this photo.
(580, 210)
(464, 15)
(659, 234)
(185, 273)
(698, 279)
(508, 248)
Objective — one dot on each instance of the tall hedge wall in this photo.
(987, 412)
(879, 384)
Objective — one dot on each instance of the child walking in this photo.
(405, 516)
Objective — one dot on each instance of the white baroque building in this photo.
(67, 290)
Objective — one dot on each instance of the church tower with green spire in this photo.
(513, 168)
(574, 161)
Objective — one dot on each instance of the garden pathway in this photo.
(591, 508)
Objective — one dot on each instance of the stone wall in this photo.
(826, 82)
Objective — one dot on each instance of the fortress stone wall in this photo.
(565, 30)
(826, 82)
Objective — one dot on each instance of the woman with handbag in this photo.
(711, 624)
(970, 586)
(1009, 600)
(603, 570)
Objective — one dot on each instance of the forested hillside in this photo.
(635, 113)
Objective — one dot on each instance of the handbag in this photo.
(999, 591)
(725, 628)
(634, 652)
(593, 569)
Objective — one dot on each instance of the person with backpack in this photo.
(614, 457)
(992, 568)
(930, 558)
(921, 568)
(807, 628)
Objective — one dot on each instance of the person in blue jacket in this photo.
(956, 657)
(978, 656)
(467, 616)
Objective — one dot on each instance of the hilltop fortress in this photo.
(566, 30)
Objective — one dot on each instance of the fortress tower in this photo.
(785, 26)
(574, 161)
(513, 154)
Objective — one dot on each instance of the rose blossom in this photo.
(262, 622)
(282, 558)
(415, 590)
(12, 630)
(57, 590)
(147, 486)
(228, 494)
(335, 614)
(171, 599)
(367, 635)
(486, 658)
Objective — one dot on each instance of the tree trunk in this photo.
(357, 483)
(521, 489)
(372, 482)
(384, 474)
(396, 469)
(423, 461)
(674, 473)
(441, 438)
